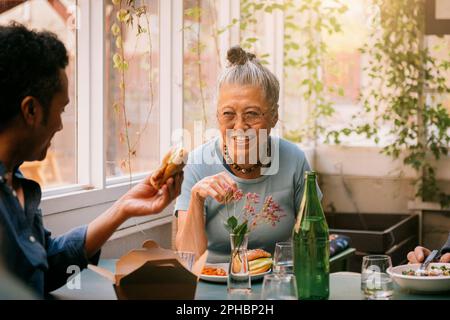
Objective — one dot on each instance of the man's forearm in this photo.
(101, 229)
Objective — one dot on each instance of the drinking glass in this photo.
(280, 286)
(282, 258)
(376, 284)
(187, 258)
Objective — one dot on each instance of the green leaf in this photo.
(259, 6)
(239, 228)
(231, 223)
(123, 15)
(346, 131)
(117, 60)
(115, 29)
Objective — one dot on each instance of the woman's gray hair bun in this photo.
(245, 69)
(238, 56)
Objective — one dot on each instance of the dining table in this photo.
(343, 286)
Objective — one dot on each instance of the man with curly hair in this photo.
(33, 95)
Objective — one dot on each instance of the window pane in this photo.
(342, 70)
(256, 34)
(201, 64)
(439, 47)
(60, 167)
(343, 66)
(141, 94)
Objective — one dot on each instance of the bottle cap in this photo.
(310, 174)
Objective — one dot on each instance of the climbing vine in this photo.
(404, 94)
(131, 14)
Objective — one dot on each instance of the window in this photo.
(139, 131)
(202, 64)
(341, 70)
(210, 28)
(343, 66)
(60, 166)
(439, 47)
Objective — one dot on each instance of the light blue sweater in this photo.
(284, 181)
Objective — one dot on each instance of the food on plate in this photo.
(213, 271)
(172, 164)
(259, 261)
(433, 271)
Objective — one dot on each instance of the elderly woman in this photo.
(247, 107)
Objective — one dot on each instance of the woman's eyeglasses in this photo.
(229, 118)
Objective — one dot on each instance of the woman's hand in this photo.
(216, 186)
(144, 199)
(420, 253)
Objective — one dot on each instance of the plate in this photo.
(223, 279)
(431, 284)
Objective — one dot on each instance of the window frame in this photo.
(93, 188)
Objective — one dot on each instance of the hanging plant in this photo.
(248, 22)
(197, 47)
(130, 13)
(406, 84)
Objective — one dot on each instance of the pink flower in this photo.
(238, 194)
(253, 197)
(249, 210)
(270, 211)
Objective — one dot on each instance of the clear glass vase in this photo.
(239, 281)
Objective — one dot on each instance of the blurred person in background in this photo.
(420, 253)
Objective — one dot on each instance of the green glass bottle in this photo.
(311, 245)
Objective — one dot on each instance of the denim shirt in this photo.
(28, 250)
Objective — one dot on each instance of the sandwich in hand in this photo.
(172, 164)
(259, 261)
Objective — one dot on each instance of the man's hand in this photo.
(420, 253)
(144, 199)
(445, 258)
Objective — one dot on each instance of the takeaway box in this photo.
(152, 273)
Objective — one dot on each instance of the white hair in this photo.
(245, 69)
